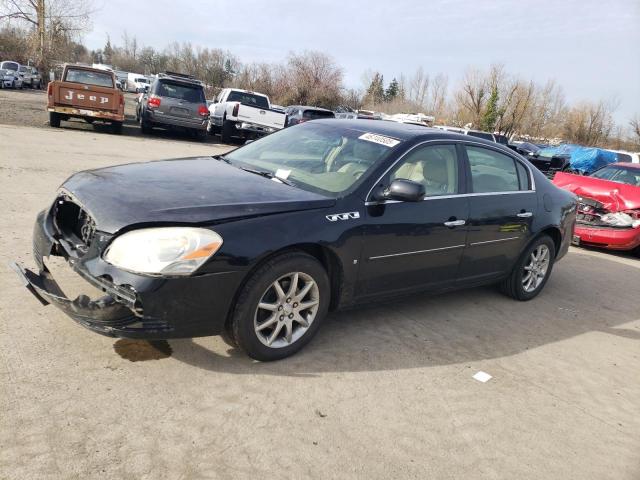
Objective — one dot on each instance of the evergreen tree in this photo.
(490, 116)
(375, 92)
(392, 91)
(107, 52)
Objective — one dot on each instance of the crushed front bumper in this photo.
(133, 305)
(611, 238)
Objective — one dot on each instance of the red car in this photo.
(608, 206)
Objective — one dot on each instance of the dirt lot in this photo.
(28, 108)
(382, 392)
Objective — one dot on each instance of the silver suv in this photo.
(174, 101)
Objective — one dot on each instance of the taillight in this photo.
(236, 109)
(203, 111)
(121, 100)
(50, 89)
(153, 102)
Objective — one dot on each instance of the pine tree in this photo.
(375, 92)
(108, 51)
(392, 91)
(490, 116)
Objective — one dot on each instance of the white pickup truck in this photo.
(245, 114)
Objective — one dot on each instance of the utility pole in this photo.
(40, 9)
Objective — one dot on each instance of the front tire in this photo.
(281, 307)
(532, 271)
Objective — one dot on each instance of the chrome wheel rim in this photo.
(286, 310)
(535, 270)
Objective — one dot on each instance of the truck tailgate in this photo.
(259, 116)
(86, 96)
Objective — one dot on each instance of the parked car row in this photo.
(14, 75)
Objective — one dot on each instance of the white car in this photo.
(10, 76)
(241, 113)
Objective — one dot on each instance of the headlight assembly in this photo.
(163, 250)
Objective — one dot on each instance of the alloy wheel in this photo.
(286, 310)
(535, 270)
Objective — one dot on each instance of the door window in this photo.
(493, 171)
(434, 166)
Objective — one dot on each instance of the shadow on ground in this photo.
(464, 326)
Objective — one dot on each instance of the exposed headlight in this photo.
(620, 219)
(164, 250)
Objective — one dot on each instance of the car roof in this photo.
(309, 107)
(402, 131)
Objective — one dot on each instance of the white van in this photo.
(136, 82)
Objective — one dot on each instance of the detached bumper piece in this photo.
(104, 315)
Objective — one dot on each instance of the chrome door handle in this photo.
(525, 214)
(454, 223)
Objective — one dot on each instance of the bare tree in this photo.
(59, 17)
(634, 123)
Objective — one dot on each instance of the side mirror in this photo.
(404, 190)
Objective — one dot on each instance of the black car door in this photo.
(502, 206)
(417, 244)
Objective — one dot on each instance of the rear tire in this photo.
(116, 127)
(249, 320)
(227, 131)
(529, 276)
(54, 119)
(200, 135)
(145, 128)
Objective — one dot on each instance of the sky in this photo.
(591, 48)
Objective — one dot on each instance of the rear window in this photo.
(623, 157)
(10, 66)
(313, 114)
(249, 99)
(181, 91)
(486, 136)
(88, 77)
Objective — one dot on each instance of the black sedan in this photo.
(261, 243)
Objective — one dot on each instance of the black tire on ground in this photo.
(212, 129)
(13, 85)
(54, 119)
(227, 132)
(116, 127)
(145, 128)
(513, 284)
(242, 320)
(200, 135)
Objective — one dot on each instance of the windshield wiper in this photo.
(222, 158)
(269, 175)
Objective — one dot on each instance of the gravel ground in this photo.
(382, 392)
(28, 108)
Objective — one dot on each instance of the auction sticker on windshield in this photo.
(380, 139)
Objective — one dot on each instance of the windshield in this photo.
(10, 66)
(630, 176)
(250, 99)
(321, 158)
(89, 77)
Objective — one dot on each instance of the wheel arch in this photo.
(327, 258)
(553, 232)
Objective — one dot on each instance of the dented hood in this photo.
(192, 190)
(614, 196)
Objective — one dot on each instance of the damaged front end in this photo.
(68, 231)
(602, 224)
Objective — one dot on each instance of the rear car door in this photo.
(410, 245)
(502, 207)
